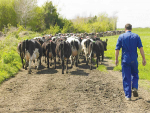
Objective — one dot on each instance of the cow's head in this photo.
(105, 44)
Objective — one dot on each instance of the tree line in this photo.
(46, 19)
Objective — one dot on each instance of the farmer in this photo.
(129, 42)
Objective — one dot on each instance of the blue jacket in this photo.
(129, 42)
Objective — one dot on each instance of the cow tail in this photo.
(50, 46)
(63, 49)
(91, 55)
(91, 50)
(25, 45)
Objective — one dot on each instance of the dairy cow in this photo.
(63, 51)
(76, 49)
(31, 50)
(96, 49)
(85, 47)
(49, 51)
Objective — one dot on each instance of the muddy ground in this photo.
(80, 91)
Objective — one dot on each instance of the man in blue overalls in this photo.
(129, 42)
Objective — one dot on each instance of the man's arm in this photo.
(143, 56)
(116, 57)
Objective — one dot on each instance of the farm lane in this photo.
(80, 91)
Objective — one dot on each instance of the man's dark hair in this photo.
(128, 27)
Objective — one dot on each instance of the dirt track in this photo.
(79, 91)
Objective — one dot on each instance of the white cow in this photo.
(85, 47)
(76, 49)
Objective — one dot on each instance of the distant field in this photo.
(144, 33)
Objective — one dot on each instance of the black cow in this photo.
(49, 51)
(96, 49)
(32, 50)
(63, 51)
(105, 44)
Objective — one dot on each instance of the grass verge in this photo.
(10, 62)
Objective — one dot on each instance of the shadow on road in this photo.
(148, 101)
(40, 110)
(79, 72)
(107, 64)
(47, 71)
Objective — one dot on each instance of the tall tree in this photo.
(50, 14)
(37, 22)
(7, 13)
(24, 10)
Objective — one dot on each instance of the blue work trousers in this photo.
(130, 77)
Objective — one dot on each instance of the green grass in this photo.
(102, 68)
(145, 84)
(144, 33)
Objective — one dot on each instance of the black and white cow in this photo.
(49, 51)
(96, 49)
(76, 49)
(32, 50)
(85, 47)
(63, 51)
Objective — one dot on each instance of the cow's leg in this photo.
(39, 60)
(47, 62)
(55, 62)
(97, 60)
(76, 60)
(62, 66)
(67, 66)
(29, 71)
(58, 60)
(22, 63)
(71, 59)
(78, 57)
(87, 60)
(91, 62)
(26, 64)
(102, 56)
(45, 59)
(34, 63)
(51, 62)
(85, 57)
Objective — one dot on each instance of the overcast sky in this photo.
(136, 12)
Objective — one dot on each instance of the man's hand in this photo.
(143, 56)
(116, 57)
(116, 62)
(144, 62)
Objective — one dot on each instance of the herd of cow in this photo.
(64, 47)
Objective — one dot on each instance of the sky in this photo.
(135, 12)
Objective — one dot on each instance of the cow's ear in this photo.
(106, 40)
(26, 40)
